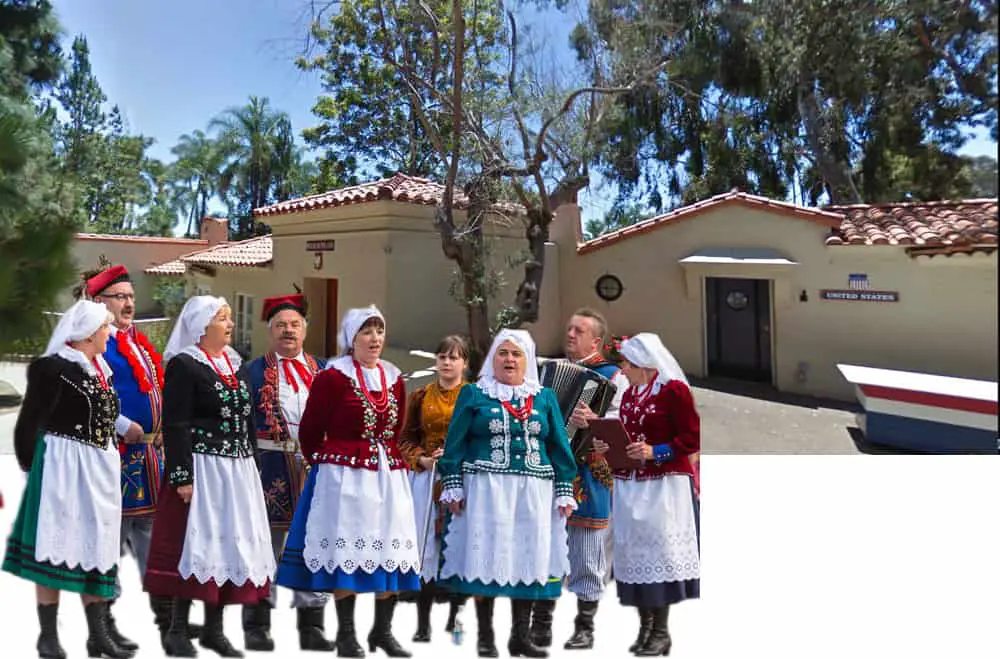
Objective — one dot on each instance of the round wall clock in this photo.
(609, 288)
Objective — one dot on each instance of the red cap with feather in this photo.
(105, 278)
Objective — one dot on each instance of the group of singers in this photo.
(225, 479)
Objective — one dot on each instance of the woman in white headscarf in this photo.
(354, 529)
(655, 512)
(66, 534)
(507, 475)
(211, 538)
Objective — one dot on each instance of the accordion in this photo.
(574, 384)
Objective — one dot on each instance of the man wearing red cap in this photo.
(280, 383)
(138, 381)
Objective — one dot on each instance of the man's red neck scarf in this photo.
(147, 353)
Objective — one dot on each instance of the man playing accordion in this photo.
(588, 527)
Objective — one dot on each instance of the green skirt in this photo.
(20, 557)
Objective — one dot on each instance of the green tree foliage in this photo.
(39, 208)
(376, 89)
(981, 172)
(258, 153)
(120, 182)
(852, 100)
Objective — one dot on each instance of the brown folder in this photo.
(612, 432)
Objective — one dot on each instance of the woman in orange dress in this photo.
(428, 413)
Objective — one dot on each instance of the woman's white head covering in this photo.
(192, 322)
(646, 350)
(352, 323)
(487, 377)
(79, 322)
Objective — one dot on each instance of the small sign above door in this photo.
(320, 245)
(859, 295)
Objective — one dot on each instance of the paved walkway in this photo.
(741, 418)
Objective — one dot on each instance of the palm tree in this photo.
(258, 150)
(195, 176)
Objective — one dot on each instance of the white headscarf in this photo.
(353, 320)
(80, 321)
(350, 325)
(646, 350)
(191, 324)
(487, 378)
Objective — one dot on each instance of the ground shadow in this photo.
(768, 393)
(871, 448)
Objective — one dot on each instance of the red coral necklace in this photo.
(380, 402)
(642, 396)
(230, 380)
(100, 375)
(522, 413)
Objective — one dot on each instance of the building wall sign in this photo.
(320, 245)
(859, 290)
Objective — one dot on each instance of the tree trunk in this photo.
(527, 302)
(478, 318)
(836, 174)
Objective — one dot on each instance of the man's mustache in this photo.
(288, 336)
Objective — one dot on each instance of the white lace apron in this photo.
(228, 536)
(80, 510)
(361, 519)
(656, 539)
(510, 532)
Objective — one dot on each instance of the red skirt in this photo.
(162, 578)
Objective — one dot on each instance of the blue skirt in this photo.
(293, 572)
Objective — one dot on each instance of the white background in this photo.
(810, 557)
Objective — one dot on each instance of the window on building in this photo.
(243, 319)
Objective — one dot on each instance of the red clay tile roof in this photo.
(250, 253)
(170, 268)
(941, 223)
(193, 242)
(401, 187)
(735, 197)
(955, 224)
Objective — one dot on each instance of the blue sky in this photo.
(172, 65)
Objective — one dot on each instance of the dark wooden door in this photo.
(332, 317)
(739, 328)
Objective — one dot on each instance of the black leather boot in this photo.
(312, 630)
(213, 635)
(425, 600)
(48, 637)
(347, 640)
(658, 643)
(381, 634)
(162, 608)
(452, 617)
(645, 626)
(116, 635)
(583, 627)
(177, 642)
(541, 622)
(99, 642)
(520, 643)
(257, 627)
(486, 643)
